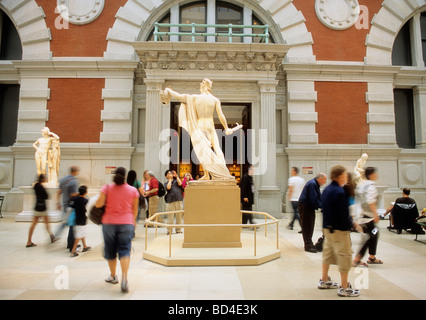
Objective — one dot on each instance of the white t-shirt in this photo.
(297, 183)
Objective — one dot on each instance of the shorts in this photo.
(40, 213)
(117, 240)
(337, 249)
(79, 232)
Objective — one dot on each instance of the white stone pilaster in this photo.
(117, 113)
(268, 198)
(416, 41)
(420, 116)
(153, 125)
(381, 114)
(302, 117)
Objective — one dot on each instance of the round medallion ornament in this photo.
(337, 14)
(80, 11)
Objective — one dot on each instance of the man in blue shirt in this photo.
(309, 201)
(337, 225)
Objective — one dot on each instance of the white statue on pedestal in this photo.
(48, 153)
(196, 117)
(359, 169)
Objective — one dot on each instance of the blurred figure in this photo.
(79, 205)
(152, 194)
(366, 195)
(247, 195)
(295, 187)
(68, 188)
(173, 197)
(337, 226)
(40, 210)
(309, 201)
(118, 224)
(134, 182)
(185, 181)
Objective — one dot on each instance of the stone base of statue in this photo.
(217, 204)
(27, 213)
(212, 202)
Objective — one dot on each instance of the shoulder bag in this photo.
(95, 214)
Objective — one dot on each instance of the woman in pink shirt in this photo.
(118, 224)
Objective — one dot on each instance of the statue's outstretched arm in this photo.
(168, 94)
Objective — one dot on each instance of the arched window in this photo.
(11, 47)
(211, 13)
(409, 48)
(227, 13)
(193, 13)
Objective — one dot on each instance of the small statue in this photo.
(48, 153)
(359, 169)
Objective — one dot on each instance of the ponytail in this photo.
(120, 176)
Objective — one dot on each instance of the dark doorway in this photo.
(234, 147)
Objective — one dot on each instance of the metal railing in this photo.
(264, 37)
(169, 227)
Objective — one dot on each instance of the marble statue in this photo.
(196, 117)
(359, 168)
(48, 154)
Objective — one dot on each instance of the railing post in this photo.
(254, 240)
(193, 32)
(156, 31)
(170, 242)
(266, 34)
(230, 33)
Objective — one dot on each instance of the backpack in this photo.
(161, 191)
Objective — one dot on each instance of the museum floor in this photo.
(42, 272)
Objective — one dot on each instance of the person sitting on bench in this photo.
(403, 213)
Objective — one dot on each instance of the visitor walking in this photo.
(118, 224)
(40, 210)
(79, 205)
(367, 194)
(68, 188)
(309, 201)
(295, 187)
(337, 226)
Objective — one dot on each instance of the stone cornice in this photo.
(340, 71)
(75, 67)
(411, 76)
(202, 56)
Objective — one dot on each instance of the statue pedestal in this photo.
(212, 202)
(27, 213)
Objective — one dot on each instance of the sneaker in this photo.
(112, 279)
(124, 286)
(86, 249)
(73, 254)
(348, 292)
(327, 284)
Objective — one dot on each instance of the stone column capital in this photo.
(154, 84)
(267, 86)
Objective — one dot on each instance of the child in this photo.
(79, 205)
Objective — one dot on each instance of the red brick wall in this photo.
(75, 107)
(87, 40)
(333, 45)
(342, 113)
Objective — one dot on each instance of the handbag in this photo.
(95, 214)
